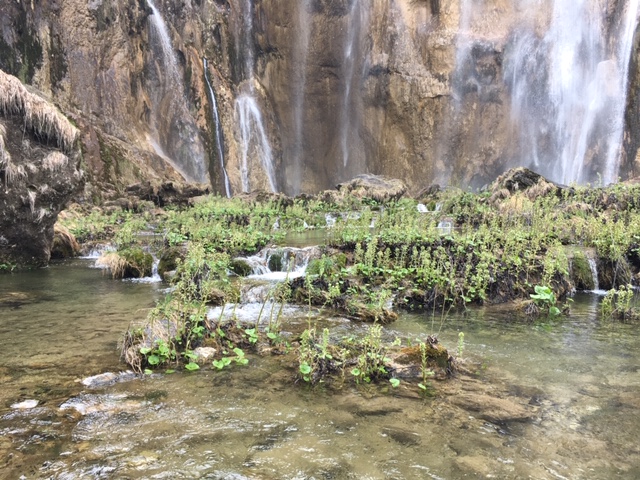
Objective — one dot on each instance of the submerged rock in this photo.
(492, 409)
(107, 378)
(25, 405)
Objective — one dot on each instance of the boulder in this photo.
(374, 187)
(521, 179)
(39, 172)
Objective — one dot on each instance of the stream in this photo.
(578, 377)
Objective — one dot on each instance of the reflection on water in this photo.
(578, 377)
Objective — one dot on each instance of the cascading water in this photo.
(301, 51)
(175, 130)
(349, 70)
(568, 90)
(593, 266)
(251, 127)
(218, 129)
(253, 136)
(348, 119)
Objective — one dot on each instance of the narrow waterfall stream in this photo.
(349, 70)
(252, 132)
(175, 135)
(218, 129)
(253, 135)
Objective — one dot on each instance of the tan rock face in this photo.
(413, 89)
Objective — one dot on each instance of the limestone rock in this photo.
(39, 172)
(492, 409)
(378, 188)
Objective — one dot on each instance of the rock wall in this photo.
(413, 89)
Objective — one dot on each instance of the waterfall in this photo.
(568, 90)
(175, 130)
(625, 47)
(280, 263)
(250, 122)
(349, 68)
(218, 129)
(464, 42)
(593, 266)
(249, 117)
(301, 51)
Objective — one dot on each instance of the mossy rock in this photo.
(613, 273)
(581, 274)
(369, 313)
(138, 263)
(240, 267)
(276, 262)
(169, 260)
(436, 354)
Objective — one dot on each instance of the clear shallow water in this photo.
(579, 378)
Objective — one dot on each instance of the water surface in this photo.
(578, 377)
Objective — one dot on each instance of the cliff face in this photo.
(308, 92)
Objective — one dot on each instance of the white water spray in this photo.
(568, 91)
(180, 139)
(218, 129)
(251, 127)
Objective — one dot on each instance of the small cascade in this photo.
(96, 252)
(278, 264)
(593, 266)
(175, 130)
(330, 220)
(568, 90)
(218, 129)
(253, 136)
(255, 312)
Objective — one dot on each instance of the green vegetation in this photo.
(504, 245)
(619, 304)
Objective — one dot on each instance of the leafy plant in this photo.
(618, 304)
(546, 299)
(425, 371)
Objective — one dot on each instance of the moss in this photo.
(436, 354)
(138, 263)
(240, 267)
(613, 273)
(30, 50)
(581, 274)
(169, 260)
(276, 262)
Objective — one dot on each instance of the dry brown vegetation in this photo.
(39, 115)
(114, 263)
